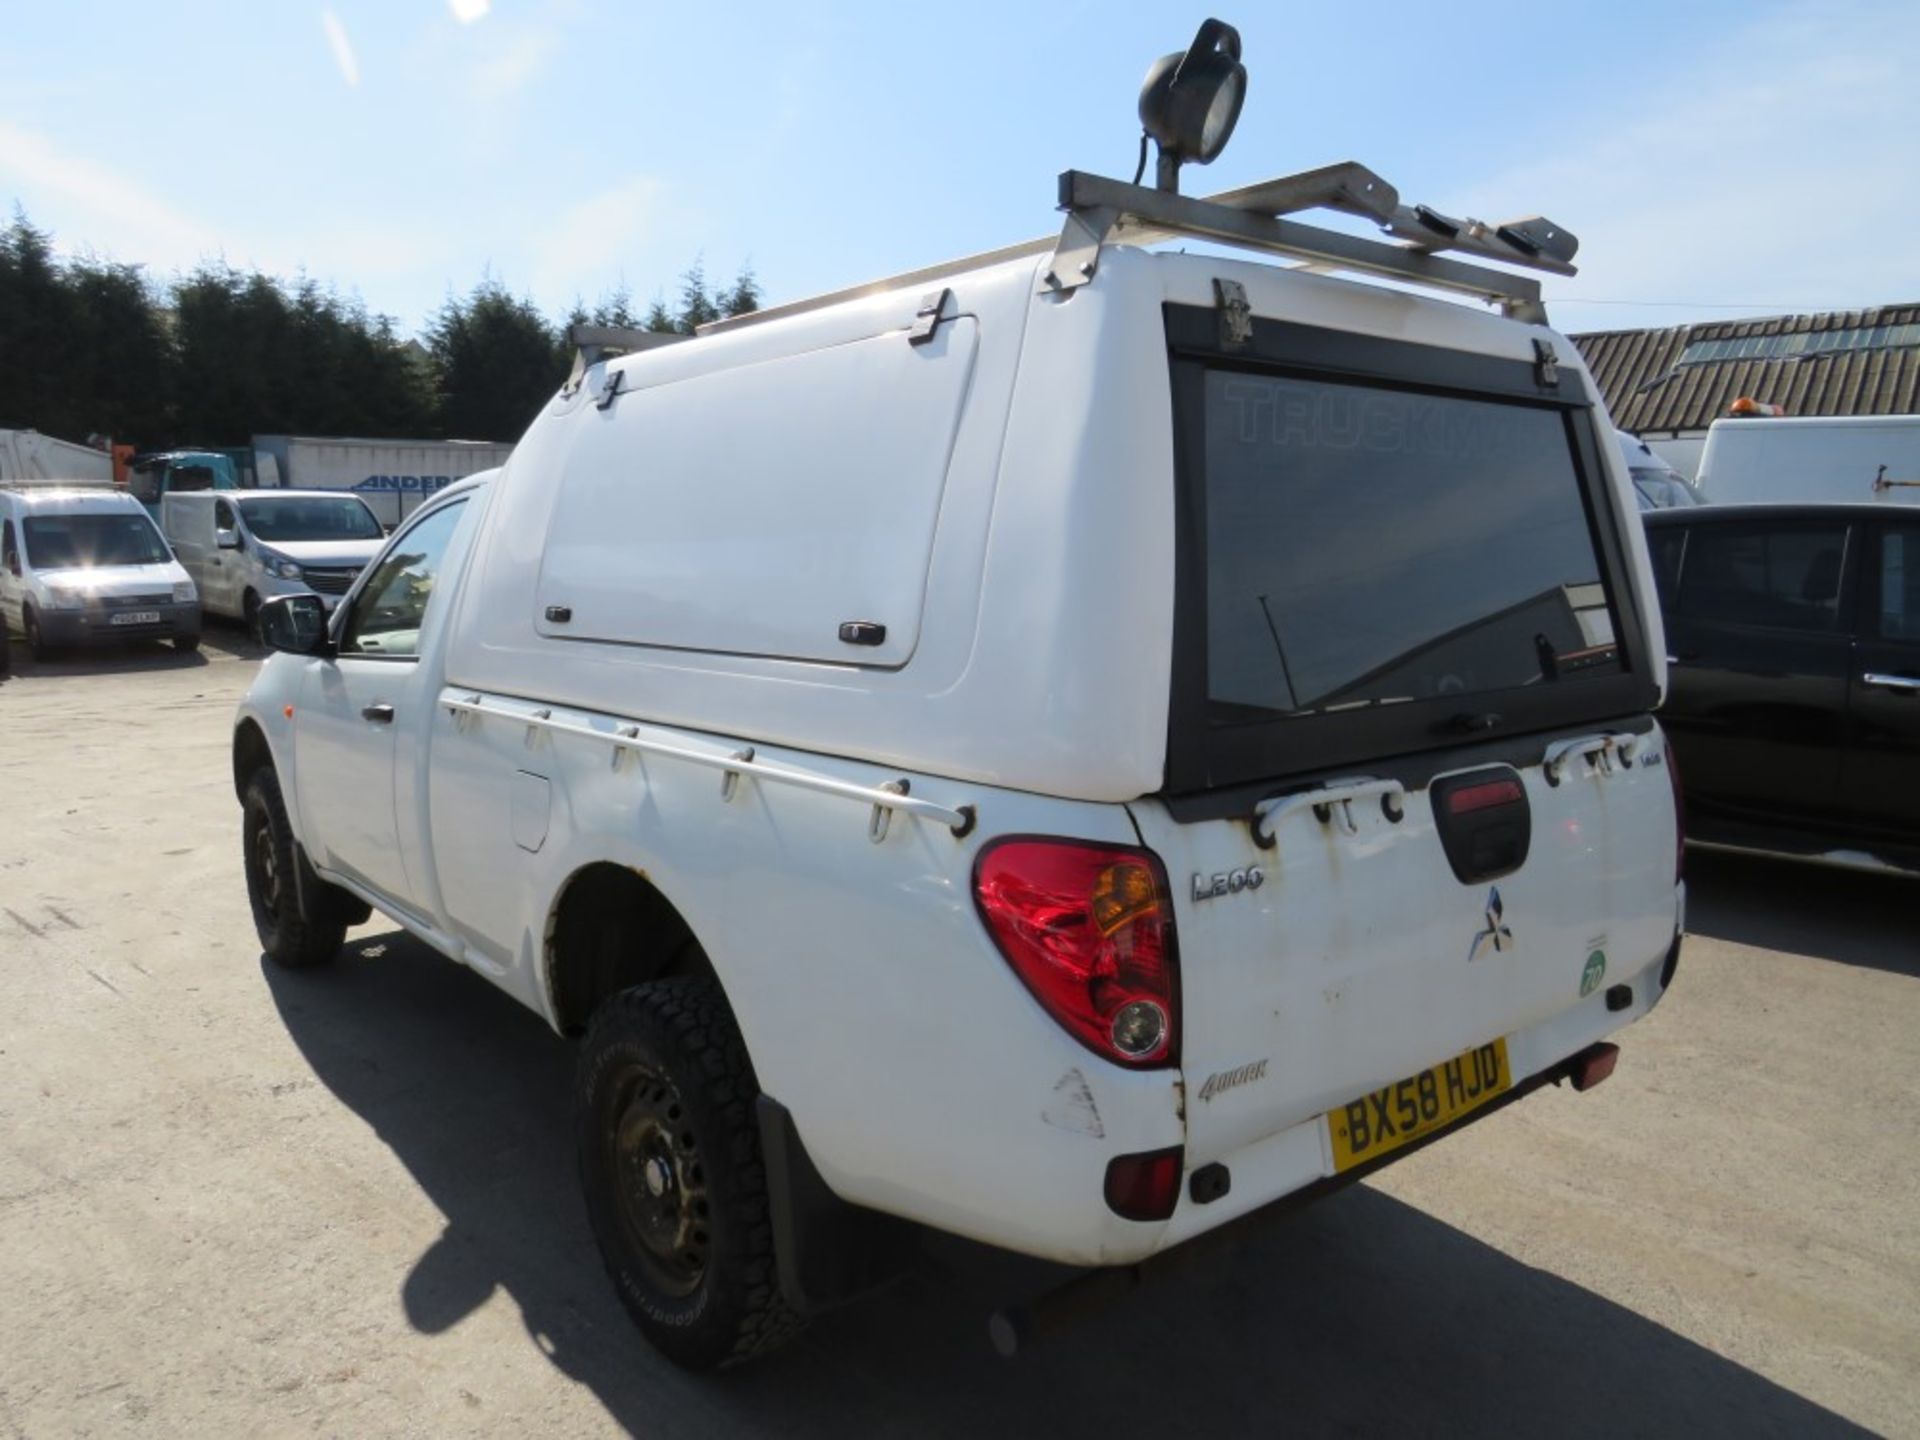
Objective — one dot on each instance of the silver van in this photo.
(87, 567)
(244, 546)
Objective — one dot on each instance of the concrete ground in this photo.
(242, 1202)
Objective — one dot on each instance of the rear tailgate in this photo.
(1416, 566)
(1358, 960)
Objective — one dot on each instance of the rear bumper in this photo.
(97, 627)
(1296, 1164)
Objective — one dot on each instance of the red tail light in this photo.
(1679, 816)
(1089, 930)
(1145, 1187)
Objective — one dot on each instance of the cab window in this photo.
(1899, 598)
(223, 516)
(391, 608)
(1786, 576)
(9, 548)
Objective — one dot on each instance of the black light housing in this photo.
(1191, 101)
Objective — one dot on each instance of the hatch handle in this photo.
(1606, 753)
(1335, 800)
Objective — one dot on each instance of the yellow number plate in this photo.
(1380, 1123)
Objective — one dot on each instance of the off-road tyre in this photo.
(288, 937)
(663, 1080)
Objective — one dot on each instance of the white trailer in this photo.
(1867, 458)
(392, 476)
(28, 457)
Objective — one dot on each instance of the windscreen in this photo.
(1369, 546)
(310, 517)
(64, 542)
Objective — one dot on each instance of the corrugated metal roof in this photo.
(1648, 393)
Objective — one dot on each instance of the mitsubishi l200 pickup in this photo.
(1067, 748)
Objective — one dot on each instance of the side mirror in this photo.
(226, 540)
(296, 624)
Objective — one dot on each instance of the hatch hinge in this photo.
(927, 319)
(611, 391)
(1546, 364)
(1236, 315)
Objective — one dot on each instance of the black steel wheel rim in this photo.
(659, 1182)
(263, 866)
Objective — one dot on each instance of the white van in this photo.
(1066, 748)
(242, 546)
(1656, 484)
(1852, 459)
(89, 567)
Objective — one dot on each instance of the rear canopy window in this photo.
(1370, 546)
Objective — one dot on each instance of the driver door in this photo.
(370, 697)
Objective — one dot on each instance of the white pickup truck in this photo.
(1066, 749)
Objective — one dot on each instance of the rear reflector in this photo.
(1147, 1186)
(1485, 797)
(1588, 1068)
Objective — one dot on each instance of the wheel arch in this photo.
(251, 750)
(608, 928)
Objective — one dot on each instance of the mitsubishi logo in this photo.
(1497, 934)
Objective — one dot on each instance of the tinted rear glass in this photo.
(1368, 546)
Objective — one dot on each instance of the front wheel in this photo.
(250, 613)
(675, 1186)
(36, 642)
(288, 937)
(186, 644)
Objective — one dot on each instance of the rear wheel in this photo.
(675, 1185)
(288, 936)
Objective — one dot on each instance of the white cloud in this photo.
(101, 199)
(1771, 170)
(468, 11)
(595, 242)
(341, 46)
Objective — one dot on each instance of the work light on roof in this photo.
(1191, 100)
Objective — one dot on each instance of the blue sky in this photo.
(1726, 158)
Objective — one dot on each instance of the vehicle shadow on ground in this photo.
(1847, 916)
(1361, 1315)
(215, 644)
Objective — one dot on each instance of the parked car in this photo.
(241, 546)
(1109, 741)
(1793, 634)
(1656, 484)
(88, 567)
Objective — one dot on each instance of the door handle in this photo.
(381, 714)
(1892, 682)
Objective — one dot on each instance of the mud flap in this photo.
(828, 1252)
(321, 902)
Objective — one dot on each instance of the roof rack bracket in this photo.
(594, 343)
(1077, 255)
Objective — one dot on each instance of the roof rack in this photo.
(1102, 212)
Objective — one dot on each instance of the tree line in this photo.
(92, 347)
